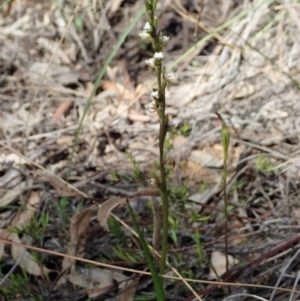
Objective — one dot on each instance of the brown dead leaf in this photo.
(10, 179)
(218, 261)
(128, 289)
(106, 208)
(135, 116)
(58, 184)
(53, 46)
(112, 73)
(108, 85)
(121, 90)
(79, 224)
(179, 142)
(78, 232)
(27, 262)
(56, 75)
(12, 158)
(95, 281)
(62, 109)
(242, 91)
(115, 4)
(23, 217)
(202, 198)
(11, 195)
(207, 158)
(140, 90)
(197, 173)
(65, 140)
(4, 234)
(6, 217)
(14, 26)
(237, 224)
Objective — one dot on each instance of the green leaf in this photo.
(225, 137)
(158, 286)
(78, 23)
(44, 220)
(64, 202)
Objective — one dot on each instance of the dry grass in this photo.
(248, 70)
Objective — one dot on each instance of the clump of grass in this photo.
(263, 164)
(18, 284)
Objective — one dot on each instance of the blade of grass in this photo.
(225, 143)
(99, 78)
(158, 286)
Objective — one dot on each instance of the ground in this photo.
(74, 89)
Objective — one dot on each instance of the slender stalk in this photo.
(226, 213)
(158, 105)
(157, 223)
(163, 127)
(164, 190)
(225, 142)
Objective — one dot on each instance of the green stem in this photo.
(226, 212)
(225, 142)
(163, 174)
(163, 128)
(164, 196)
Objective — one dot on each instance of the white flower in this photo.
(151, 107)
(163, 40)
(158, 56)
(155, 94)
(147, 27)
(150, 62)
(153, 182)
(145, 36)
(172, 79)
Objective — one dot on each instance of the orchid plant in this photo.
(158, 105)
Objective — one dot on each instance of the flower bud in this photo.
(145, 36)
(163, 40)
(147, 27)
(154, 182)
(171, 79)
(150, 62)
(151, 107)
(158, 56)
(155, 94)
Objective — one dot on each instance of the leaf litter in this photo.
(250, 77)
